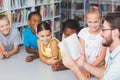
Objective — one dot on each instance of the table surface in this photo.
(15, 68)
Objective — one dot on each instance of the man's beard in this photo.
(107, 43)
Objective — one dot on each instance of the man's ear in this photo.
(116, 32)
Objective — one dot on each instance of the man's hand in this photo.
(81, 60)
(68, 61)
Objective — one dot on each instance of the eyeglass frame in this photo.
(106, 29)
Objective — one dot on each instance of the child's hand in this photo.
(1, 56)
(53, 60)
(58, 66)
(6, 54)
(29, 59)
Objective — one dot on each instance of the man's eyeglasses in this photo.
(105, 29)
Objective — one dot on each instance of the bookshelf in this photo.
(18, 11)
(76, 9)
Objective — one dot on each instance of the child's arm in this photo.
(14, 51)
(10, 53)
(46, 60)
(54, 48)
(2, 48)
(85, 72)
(82, 43)
(31, 50)
(101, 57)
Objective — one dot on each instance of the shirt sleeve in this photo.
(17, 37)
(26, 41)
(82, 34)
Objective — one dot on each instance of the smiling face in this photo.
(93, 21)
(33, 22)
(4, 26)
(44, 36)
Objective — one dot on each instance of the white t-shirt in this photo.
(93, 44)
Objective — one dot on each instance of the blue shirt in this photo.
(30, 39)
(112, 71)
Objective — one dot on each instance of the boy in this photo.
(9, 38)
(70, 26)
(30, 37)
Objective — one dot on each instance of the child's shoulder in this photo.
(27, 30)
(85, 29)
(14, 31)
(54, 40)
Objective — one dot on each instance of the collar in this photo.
(115, 52)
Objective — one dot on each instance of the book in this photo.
(71, 46)
(1, 4)
(11, 18)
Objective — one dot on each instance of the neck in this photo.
(95, 32)
(114, 45)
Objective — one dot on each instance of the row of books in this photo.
(48, 11)
(66, 4)
(103, 7)
(21, 3)
(43, 1)
(19, 16)
(80, 6)
(17, 3)
(66, 15)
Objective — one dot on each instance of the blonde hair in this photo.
(94, 10)
(3, 16)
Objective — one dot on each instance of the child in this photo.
(48, 48)
(90, 38)
(30, 38)
(9, 38)
(70, 26)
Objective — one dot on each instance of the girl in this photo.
(48, 48)
(90, 38)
